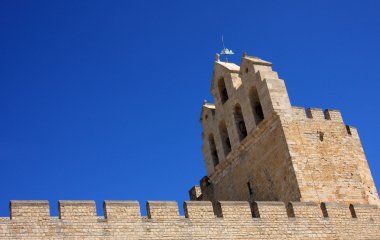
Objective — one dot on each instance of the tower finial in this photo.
(225, 50)
(244, 54)
(217, 57)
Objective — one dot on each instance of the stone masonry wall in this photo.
(328, 158)
(262, 160)
(238, 220)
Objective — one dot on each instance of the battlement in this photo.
(168, 210)
(317, 114)
(202, 220)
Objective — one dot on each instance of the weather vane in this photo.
(226, 51)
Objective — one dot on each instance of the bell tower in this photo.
(257, 147)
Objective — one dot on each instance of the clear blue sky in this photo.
(101, 99)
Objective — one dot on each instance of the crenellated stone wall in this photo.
(328, 158)
(228, 220)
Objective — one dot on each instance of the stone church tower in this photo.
(258, 147)
(274, 171)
